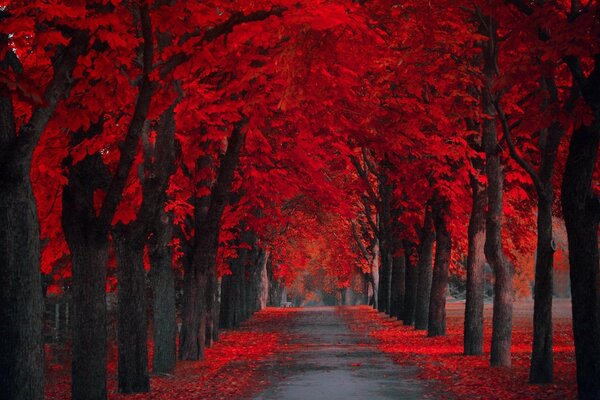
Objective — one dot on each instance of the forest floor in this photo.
(441, 361)
(348, 353)
(232, 368)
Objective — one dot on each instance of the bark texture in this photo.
(200, 303)
(410, 300)
(21, 302)
(133, 373)
(439, 286)
(473, 328)
(503, 270)
(425, 271)
(162, 279)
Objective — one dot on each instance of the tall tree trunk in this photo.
(133, 328)
(425, 271)
(21, 302)
(398, 283)
(385, 272)
(88, 243)
(503, 270)
(162, 279)
(541, 357)
(212, 309)
(227, 293)
(473, 328)
(412, 276)
(385, 242)
(439, 286)
(581, 209)
(202, 274)
(89, 256)
(192, 327)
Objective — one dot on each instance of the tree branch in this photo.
(59, 86)
(359, 242)
(138, 122)
(217, 31)
(515, 155)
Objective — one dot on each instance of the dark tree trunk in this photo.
(503, 270)
(385, 242)
(425, 271)
(192, 327)
(200, 290)
(88, 243)
(398, 284)
(163, 295)
(541, 357)
(412, 276)
(581, 209)
(129, 241)
(541, 370)
(473, 337)
(21, 302)
(212, 308)
(385, 271)
(133, 328)
(439, 286)
(227, 301)
(89, 256)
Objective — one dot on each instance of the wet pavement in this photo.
(329, 361)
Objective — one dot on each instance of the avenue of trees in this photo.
(226, 148)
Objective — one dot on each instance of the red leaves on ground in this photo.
(229, 370)
(471, 377)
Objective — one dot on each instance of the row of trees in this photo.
(220, 140)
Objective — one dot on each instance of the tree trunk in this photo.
(263, 289)
(133, 328)
(212, 308)
(193, 321)
(201, 285)
(89, 256)
(227, 293)
(163, 292)
(473, 336)
(439, 286)
(503, 270)
(21, 302)
(425, 272)
(541, 357)
(581, 210)
(398, 285)
(375, 267)
(385, 272)
(412, 275)
(88, 243)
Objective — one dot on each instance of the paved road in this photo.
(332, 362)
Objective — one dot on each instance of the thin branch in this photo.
(362, 172)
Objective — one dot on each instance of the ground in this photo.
(350, 353)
